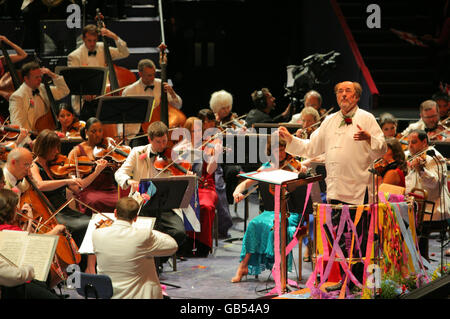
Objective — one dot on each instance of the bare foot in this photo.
(239, 274)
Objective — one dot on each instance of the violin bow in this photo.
(233, 120)
(189, 150)
(8, 260)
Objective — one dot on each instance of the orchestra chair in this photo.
(95, 286)
(425, 226)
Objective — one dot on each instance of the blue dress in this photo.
(259, 237)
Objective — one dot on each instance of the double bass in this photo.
(49, 119)
(168, 114)
(119, 77)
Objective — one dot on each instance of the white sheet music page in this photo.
(87, 247)
(276, 176)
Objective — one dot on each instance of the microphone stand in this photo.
(433, 154)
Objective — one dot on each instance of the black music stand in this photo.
(171, 193)
(86, 80)
(124, 109)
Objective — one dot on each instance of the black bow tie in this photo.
(161, 154)
(428, 130)
(149, 87)
(19, 181)
(94, 53)
(35, 92)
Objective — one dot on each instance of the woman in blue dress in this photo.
(257, 252)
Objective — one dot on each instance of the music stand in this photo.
(288, 187)
(124, 109)
(86, 80)
(171, 193)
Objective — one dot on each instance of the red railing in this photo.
(354, 47)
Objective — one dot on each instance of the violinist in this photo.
(5, 78)
(392, 166)
(46, 148)
(428, 173)
(223, 212)
(204, 165)
(429, 121)
(91, 53)
(308, 118)
(257, 252)
(101, 193)
(388, 124)
(148, 85)
(19, 282)
(68, 123)
(30, 101)
(442, 100)
(263, 105)
(313, 99)
(140, 164)
(221, 103)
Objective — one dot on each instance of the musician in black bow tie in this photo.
(30, 101)
(429, 121)
(91, 53)
(147, 85)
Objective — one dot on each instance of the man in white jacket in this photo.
(125, 254)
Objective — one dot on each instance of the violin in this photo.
(104, 223)
(418, 160)
(439, 134)
(380, 166)
(44, 212)
(11, 132)
(73, 131)
(403, 141)
(62, 167)
(5, 148)
(164, 162)
(234, 121)
(111, 150)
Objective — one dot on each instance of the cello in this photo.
(119, 77)
(66, 250)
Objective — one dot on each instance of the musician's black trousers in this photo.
(32, 290)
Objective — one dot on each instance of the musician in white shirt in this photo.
(148, 85)
(92, 53)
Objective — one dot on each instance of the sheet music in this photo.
(87, 246)
(36, 250)
(276, 176)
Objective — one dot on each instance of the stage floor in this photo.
(209, 278)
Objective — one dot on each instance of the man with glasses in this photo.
(350, 140)
(429, 119)
(16, 168)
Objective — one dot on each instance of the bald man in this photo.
(17, 167)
